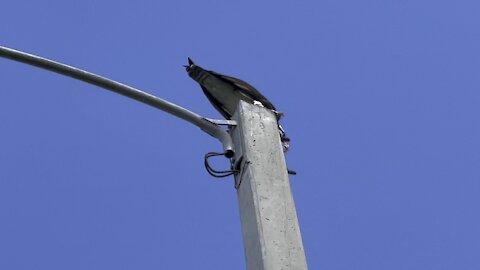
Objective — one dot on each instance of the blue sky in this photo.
(381, 101)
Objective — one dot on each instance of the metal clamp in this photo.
(222, 122)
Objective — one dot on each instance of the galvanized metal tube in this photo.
(124, 90)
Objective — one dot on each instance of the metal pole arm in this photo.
(125, 90)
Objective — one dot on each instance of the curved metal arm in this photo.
(125, 90)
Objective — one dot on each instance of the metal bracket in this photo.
(222, 122)
(240, 166)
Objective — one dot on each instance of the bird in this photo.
(225, 92)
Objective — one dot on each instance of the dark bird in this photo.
(225, 92)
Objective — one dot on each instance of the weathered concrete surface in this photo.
(270, 227)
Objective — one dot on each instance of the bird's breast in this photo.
(223, 92)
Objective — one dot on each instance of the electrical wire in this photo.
(216, 173)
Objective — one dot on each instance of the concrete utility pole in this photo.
(271, 234)
(270, 228)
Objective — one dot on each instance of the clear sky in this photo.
(381, 100)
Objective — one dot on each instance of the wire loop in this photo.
(216, 173)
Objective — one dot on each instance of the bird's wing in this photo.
(246, 89)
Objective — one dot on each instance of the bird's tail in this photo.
(284, 139)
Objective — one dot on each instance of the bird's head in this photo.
(190, 65)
